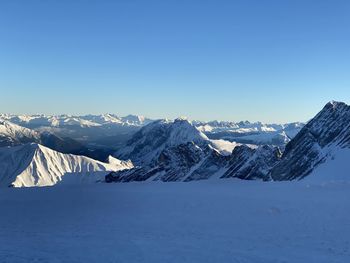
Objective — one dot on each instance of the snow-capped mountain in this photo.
(325, 137)
(112, 131)
(252, 163)
(252, 133)
(173, 163)
(165, 150)
(246, 127)
(12, 134)
(84, 121)
(102, 131)
(147, 144)
(36, 165)
(35, 121)
(188, 162)
(178, 151)
(323, 143)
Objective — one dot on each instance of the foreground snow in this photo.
(207, 221)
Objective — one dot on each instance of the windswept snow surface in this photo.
(208, 221)
(336, 168)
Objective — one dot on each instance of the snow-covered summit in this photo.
(36, 165)
(12, 134)
(136, 120)
(177, 151)
(149, 141)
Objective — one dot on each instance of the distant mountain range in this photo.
(110, 131)
(194, 157)
(12, 135)
(253, 133)
(40, 120)
(38, 150)
(106, 131)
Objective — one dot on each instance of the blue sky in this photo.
(273, 61)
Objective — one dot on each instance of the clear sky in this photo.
(273, 61)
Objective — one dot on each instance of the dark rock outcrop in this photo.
(251, 164)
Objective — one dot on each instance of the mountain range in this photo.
(41, 120)
(178, 151)
(111, 131)
(194, 157)
(12, 135)
(39, 150)
(253, 133)
(103, 132)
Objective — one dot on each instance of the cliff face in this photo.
(315, 143)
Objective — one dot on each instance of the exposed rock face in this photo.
(196, 159)
(213, 166)
(170, 151)
(173, 164)
(147, 144)
(315, 143)
(188, 162)
(176, 162)
(250, 164)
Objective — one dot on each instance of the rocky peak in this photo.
(252, 163)
(313, 144)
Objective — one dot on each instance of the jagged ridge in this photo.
(36, 165)
(315, 143)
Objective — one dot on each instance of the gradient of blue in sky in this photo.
(273, 61)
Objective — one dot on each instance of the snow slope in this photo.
(337, 167)
(225, 147)
(201, 222)
(12, 134)
(36, 165)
